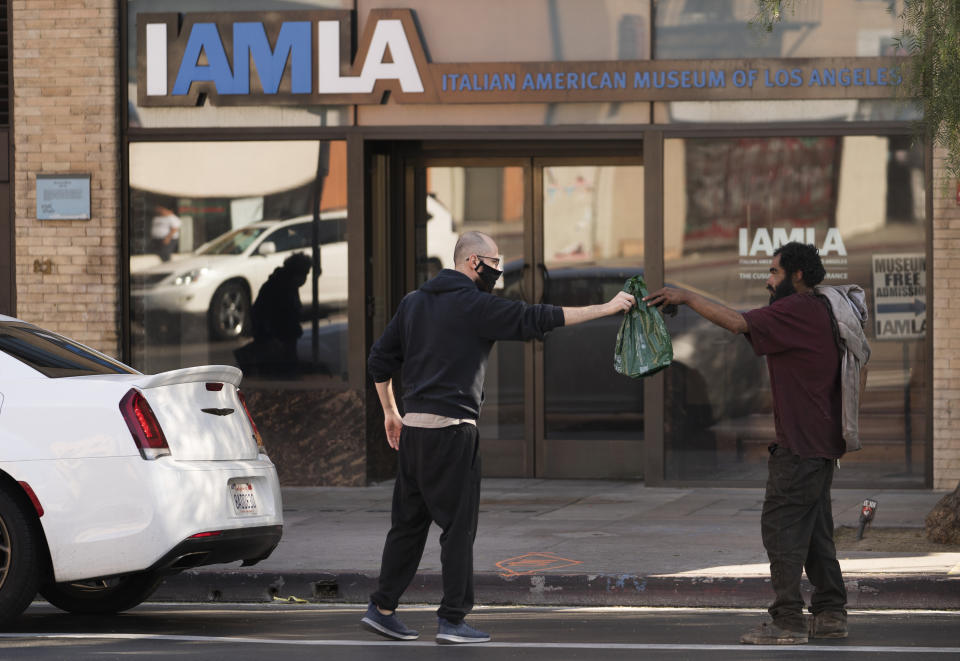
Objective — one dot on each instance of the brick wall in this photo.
(65, 121)
(946, 329)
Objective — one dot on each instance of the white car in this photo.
(111, 479)
(222, 277)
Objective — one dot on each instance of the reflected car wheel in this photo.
(20, 550)
(103, 596)
(229, 312)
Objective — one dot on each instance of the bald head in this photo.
(473, 243)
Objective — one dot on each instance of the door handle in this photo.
(546, 282)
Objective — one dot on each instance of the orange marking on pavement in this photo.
(531, 563)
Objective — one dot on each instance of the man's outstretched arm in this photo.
(712, 311)
(619, 303)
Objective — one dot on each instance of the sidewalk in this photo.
(566, 542)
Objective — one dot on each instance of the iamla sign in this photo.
(766, 241)
(305, 58)
(289, 57)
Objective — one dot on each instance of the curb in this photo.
(873, 591)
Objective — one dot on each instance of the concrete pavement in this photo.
(578, 542)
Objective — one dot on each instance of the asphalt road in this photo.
(292, 632)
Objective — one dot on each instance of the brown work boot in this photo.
(828, 624)
(769, 633)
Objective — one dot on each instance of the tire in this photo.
(21, 548)
(104, 596)
(229, 314)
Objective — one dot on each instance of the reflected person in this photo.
(796, 333)
(276, 315)
(440, 339)
(165, 232)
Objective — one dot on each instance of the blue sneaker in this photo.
(455, 634)
(388, 626)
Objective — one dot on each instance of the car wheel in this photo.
(103, 596)
(229, 311)
(20, 552)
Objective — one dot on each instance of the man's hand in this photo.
(391, 416)
(710, 310)
(667, 296)
(392, 424)
(620, 303)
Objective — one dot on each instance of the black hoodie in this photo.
(442, 334)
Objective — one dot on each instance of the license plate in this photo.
(244, 497)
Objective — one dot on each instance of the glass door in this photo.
(590, 241)
(493, 197)
(570, 232)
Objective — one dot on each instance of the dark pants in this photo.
(438, 480)
(797, 529)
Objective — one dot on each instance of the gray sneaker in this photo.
(828, 624)
(388, 626)
(449, 633)
(769, 633)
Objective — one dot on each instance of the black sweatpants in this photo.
(797, 530)
(438, 480)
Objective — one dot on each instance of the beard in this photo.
(784, 289)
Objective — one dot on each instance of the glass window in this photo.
(510, 31)
(719, 29)
(54, 355)
(795, 110)
(222, 243)
(728, 203)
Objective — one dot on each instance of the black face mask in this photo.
(488, 276)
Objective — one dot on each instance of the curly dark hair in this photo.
(796, 256)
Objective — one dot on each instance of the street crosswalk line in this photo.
(811, 648)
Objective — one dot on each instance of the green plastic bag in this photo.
(643, 343)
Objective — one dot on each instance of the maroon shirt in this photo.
(796, 336)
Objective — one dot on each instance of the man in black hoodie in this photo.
(441, 337)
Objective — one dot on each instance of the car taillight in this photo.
(33, 497)
(143, 425)
(256, 432)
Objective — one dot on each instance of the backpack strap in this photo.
(834, 326)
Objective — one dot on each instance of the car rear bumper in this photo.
(118, 515)
(248, 544)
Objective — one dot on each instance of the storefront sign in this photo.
(302, 58)
(900, 296)
(756, 250)
(63, 197)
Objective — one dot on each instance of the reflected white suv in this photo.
(222, 277)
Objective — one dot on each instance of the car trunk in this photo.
(200, 412)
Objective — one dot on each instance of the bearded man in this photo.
(797, 335)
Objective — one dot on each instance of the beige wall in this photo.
(946, 329)
(65, 120)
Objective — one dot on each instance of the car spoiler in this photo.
(219, 373)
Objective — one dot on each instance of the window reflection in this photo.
(728, 204)
(593, 242)
(718, 29)
(222, 243)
